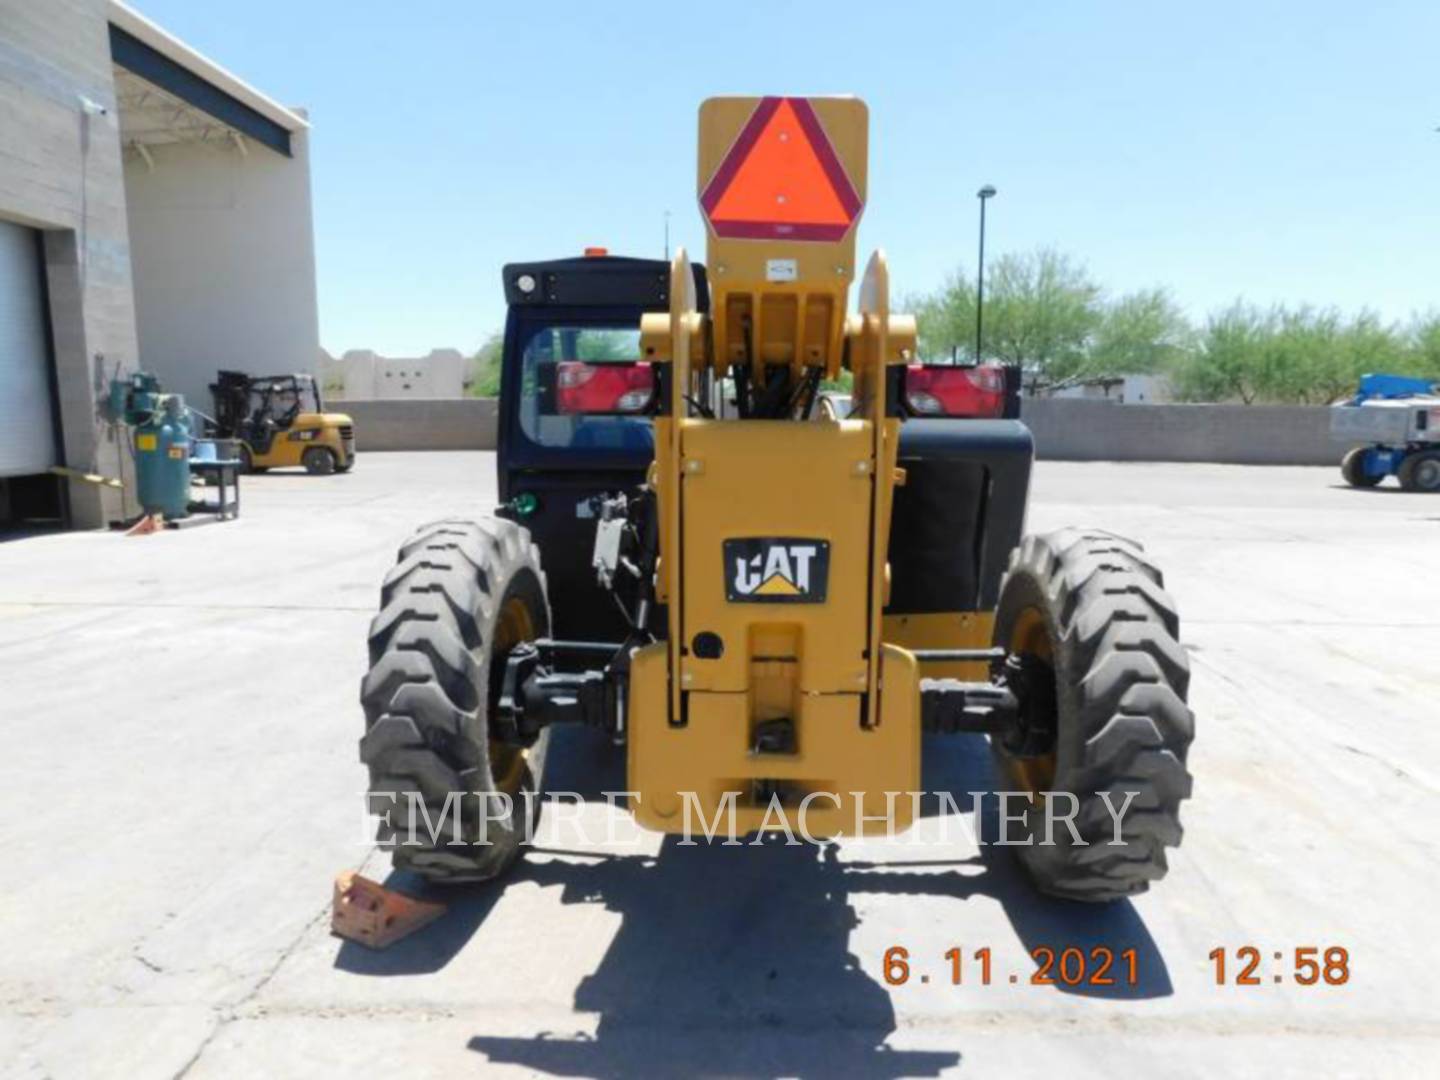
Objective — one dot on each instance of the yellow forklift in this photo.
(280, 422)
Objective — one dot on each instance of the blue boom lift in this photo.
(1395, 420)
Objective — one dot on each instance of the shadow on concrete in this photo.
(736, 960)
(293, 473)
(579, 761)
(1378, 489)
(962, 765)
(10, 533)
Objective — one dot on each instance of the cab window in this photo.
(556, 345)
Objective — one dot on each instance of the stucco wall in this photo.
(368, 376)
(60, 172)
(223, 251)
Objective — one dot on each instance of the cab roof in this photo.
(596, 281)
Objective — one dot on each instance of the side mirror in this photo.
(604, 389)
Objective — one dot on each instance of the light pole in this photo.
(985, 194)
(667, 235)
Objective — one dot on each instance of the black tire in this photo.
(1421, 472)
(318, 460)
(461, 594)
(247, 463)
(1352, 468)
(1119, 723)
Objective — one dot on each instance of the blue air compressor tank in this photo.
(162, 459)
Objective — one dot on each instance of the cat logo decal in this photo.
(776, 570)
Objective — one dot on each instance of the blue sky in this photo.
(1283, 152)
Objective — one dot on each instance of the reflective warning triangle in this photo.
(781, 180)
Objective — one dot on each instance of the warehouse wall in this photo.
(60, 171)
(223, 251)
(1065, 430)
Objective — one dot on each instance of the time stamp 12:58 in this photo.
(1246, 965)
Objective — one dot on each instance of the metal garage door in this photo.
(27, 434)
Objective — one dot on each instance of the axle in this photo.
(536, 692)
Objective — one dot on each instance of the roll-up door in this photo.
(27, 431)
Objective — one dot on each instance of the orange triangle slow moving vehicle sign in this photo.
(781, 180)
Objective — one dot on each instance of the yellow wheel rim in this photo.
(1031, 635)
(507, 762)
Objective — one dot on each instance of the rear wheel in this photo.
(462, 595)
(318, 460)
(1421, 472)
(1352, 468)
(1105, 715)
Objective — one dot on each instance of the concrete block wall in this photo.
(1071, 430)
(60, 172)
(458, 424)
(1065, 430)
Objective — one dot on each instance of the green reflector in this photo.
(526, 504)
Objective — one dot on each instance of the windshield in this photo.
(594, 345)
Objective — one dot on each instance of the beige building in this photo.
(154, 214)
(367, 376)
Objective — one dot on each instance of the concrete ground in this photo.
(180, 783)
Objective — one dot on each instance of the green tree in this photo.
(1422, 346)
(1044, 313)
(1142, 333)
(1366, 344)
(1302, 355)
(945, 321)
(483, 380)
(1227, 364)
(1040, 312)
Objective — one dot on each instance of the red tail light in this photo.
(945, 390)
(604, 389)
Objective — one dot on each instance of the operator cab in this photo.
(575, 407)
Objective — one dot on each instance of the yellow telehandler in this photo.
(768, 608)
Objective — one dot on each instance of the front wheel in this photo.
(1352, 468)
(318, 461)
(1096, 637)
(455, 804)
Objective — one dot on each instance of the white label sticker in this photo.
(780, 270)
